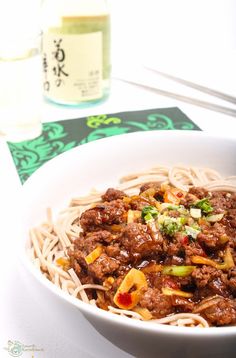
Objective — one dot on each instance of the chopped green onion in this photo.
(169, 225)
(149, 213)
(180, 208)
(195, 213)
(182, 220)
(148, 217)
(191, 231)
(169, 206)
(180, 271)
(214, 218)
(204, 205)
(171, 228)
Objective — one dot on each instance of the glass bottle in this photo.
(76, 51)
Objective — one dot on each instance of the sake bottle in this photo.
(76, 51)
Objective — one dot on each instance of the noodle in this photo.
(77, 282)
(125, 312)
(193, 319)
(83, 287)
(50, 240)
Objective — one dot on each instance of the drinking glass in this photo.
(20, 87)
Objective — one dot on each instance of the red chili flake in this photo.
(203, 253)
(185, 240)
(124, 299)
(179, 194)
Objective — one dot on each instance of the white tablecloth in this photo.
(28, 316)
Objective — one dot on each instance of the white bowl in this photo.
(100, 164)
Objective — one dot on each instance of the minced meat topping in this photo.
(163, 250)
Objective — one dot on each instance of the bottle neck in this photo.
(83, 7)
(54, 10)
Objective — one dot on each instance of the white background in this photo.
(195, 39)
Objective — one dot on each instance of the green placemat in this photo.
(58, 137)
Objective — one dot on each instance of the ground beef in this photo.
(232, 280)
(151, 185)
(174, 260)
(80, 268)
(138, 241)
(211, 236)
(113, 250)
(118, 253)
(158, 193)
(188, 200)
(222, 201)
(175, 282)
(194, 194)
(138, 203)
(77, 256)
(79, 242)
(87, 243)
(76, 266)
(231, 218)
(200, 193)
(174, 253)
(171, 248)
(158, 281)
(219, 287)
(232, 198)
(205, 274)
(182, 304)
(113, 194)
(142, 246)
(103, 266)
(193, 248)
(102, 236)
(212, 279)
(222, 313)
(158, 304)
(114, 212)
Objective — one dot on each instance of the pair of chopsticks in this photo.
(191, 100)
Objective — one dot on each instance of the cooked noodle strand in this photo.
(50, 241)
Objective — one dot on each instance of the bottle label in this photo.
(72, 66)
